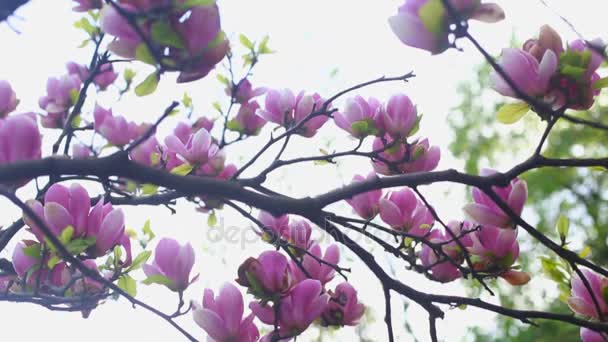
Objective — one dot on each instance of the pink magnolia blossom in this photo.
(298, 234)
(106, 76)
(278, 225)
(222, 318)
(343, 307)
(228, 172)
(418, 156)
(107, 225)
(548, 39)
(316, 270)
(494, 249)
(173, 261)
(80, 151)
(304, 107)
(580, 300)
(360, 117)
(86, 285)
(245, 92)
(404, 212)
(204, 123)
(215, 165)
(302, 305)
(19, 140)
(79, 70)
(87, 5)
(365, 204)
(484, 211)
(530, 75)
(147, 153)
(65, 206)
(8, 99)
(279, 106)
(588, 335)
(59, 98)
(198, 149)
(22, 263)
(399, 116)
(247, 121)
(444, 271)
(114, 24)
(267, 276)
(115, 129)
(411, 29)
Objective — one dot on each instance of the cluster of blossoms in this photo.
(290, 293)
(181, 36)
(86, 232)
(544, 69)
(489, 238)
(246, 121)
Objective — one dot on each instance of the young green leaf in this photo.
(148, 86)
(245, 41)
(164, 34)
(182, 170)
(128, 284)
(158, 279)
(512, 112)
(562, 227)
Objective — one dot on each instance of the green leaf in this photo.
(128, 284)
(54, 260)
(74, 95)
(217, 106)
(86, 25)
(187, 100)
(76, 121)
(585, 252)
(33, 251)
(212, 219)
(182, 170)
(139, 260)
(158, 279)
(245, 41)
(432, 15)
(234, 125)
(84, 43)
(360, 128)
(164, 34)
(264, 49)
(574, 72)
(223, 79)
(562, 227)
(148, 86)
(66, 234)
(148, 231)
(512, 112)
(149, 189)
(129, 74)
(78, 246)
(117, 253)
(191, 3)
(416, 126)
(142, 53)
(601, 83)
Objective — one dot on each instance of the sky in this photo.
(322, 46)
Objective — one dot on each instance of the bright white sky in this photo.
(312, 38)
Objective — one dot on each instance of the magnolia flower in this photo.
(530, 75)
(8, 99)
(343, 307)
(106, 76)
(81, 151)
(146, 153)
(244, 92)
(86, 285)
(19, 139)
(494, 249)
(548, 39)
(115, 129)
(404, 212)
(405, 158)
(112, 23)
(279, 106)
(222, 316)
(360, 117)
(65, 206)
(22, 263)
(486, 212)
(279, 225)
(580, 300)
(267, 276)
(444, 271)
(246, 120)
(298, 235)
(365, 204)
(79, 70)
(87, 5)
(304, 107)
(417, 31)
(202, 123)
(174, 262)
(297, 310)
(588, 335)
(61, 93)
(323, 272)
(197, 150)
(107, 225)
(399, 117)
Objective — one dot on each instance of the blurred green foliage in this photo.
(578, 194)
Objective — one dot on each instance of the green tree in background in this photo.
(577, 194)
